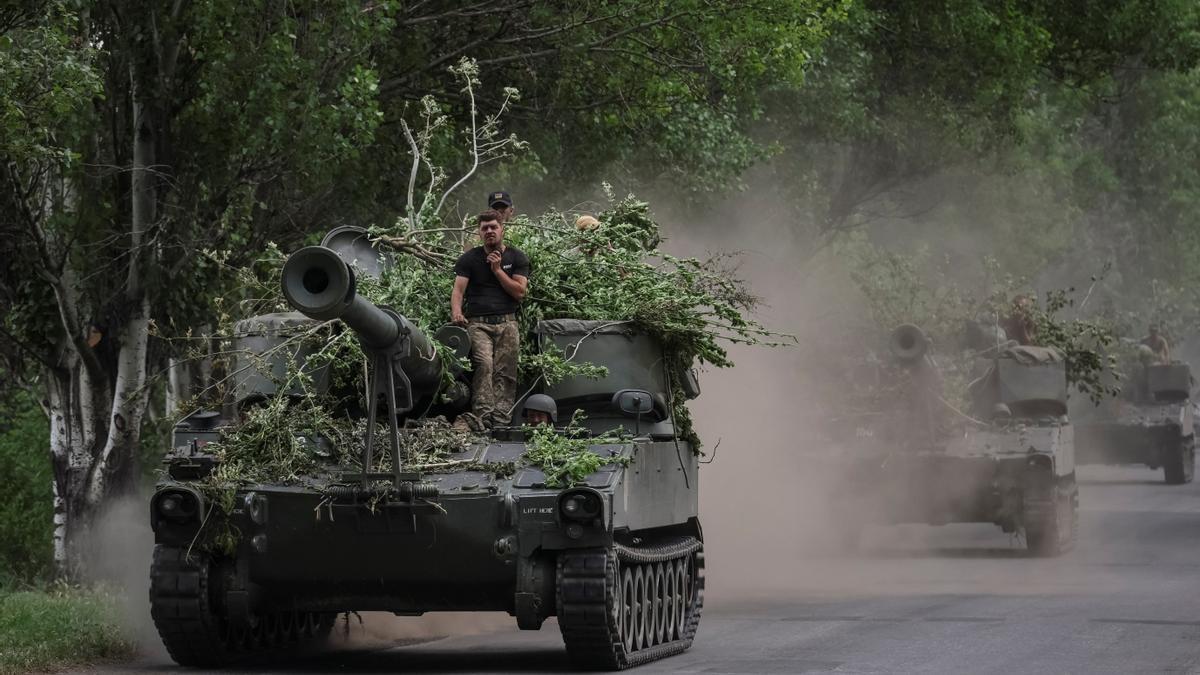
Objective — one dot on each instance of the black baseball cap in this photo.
(499, 197)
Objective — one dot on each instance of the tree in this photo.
(149, 168)
(631, 91)
(904, 93)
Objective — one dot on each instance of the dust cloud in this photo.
(119, 549)
(769, 523)
(769, 503)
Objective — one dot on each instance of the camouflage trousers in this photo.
(494, 349)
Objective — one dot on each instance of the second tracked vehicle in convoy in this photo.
(618, 557)
(1150, 422)
(1011, 462)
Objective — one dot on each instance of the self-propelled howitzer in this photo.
(1012, 463)
(1150, 422)
(616, 557)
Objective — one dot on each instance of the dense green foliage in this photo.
(565, 456)
(614, 272)
(623, 90)
(25, 508)
(225, 86)
(59, 628)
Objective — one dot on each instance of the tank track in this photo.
(1052, 525)
(1179, 465)
(196, 633)
(626, 606)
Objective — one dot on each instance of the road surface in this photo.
(954, 599)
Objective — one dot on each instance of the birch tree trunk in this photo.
(96, 408)
(129, 387)
(73, 420)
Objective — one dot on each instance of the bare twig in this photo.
(469, 77)
(412, 175)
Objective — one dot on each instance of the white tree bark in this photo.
(179, 383)
(60, 453)
(129, 388)
(73, 424)
(128, 406)
(96, 414)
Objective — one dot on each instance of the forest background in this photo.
(932, 153)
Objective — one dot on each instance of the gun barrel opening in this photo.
(316, 280)
(318, 283)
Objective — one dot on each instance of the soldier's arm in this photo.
(456, 300)
(514, 285)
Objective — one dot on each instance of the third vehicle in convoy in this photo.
(1149, 422)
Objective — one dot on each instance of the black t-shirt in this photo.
(485, 296)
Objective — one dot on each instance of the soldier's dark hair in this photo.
(487, 216)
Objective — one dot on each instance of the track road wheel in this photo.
(1179, 464)
(184, 603)
(626, 606)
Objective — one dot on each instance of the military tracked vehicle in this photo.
(1010, 462)
(617, 558)
(1150, 422)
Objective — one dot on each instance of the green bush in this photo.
(49, 630)
(26, 497)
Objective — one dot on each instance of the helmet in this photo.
(542, 403)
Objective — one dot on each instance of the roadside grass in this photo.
(60, 627)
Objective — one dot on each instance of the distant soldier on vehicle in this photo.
(1019, 325)
(588, 225)
(492, 279)
(1158, 344)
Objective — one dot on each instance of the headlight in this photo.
(580, 505)
(177, 505)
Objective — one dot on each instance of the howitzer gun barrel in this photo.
(319, 284)
(908, 343)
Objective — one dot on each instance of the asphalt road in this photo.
(953, 599)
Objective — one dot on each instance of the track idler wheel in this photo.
(627, 606)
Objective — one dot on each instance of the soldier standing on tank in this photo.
(1158, 344)
(501, 202)
(492, 279)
